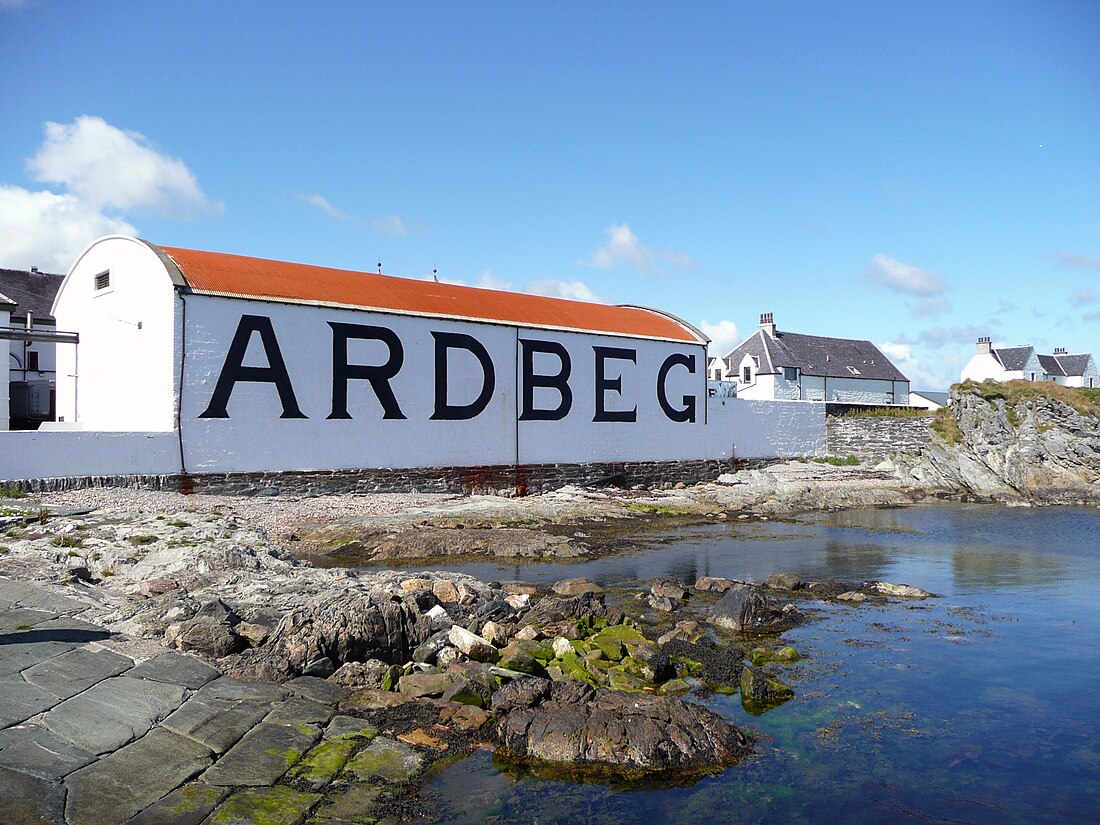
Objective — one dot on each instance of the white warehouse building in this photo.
(261, 365)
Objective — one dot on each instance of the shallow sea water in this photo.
(982, 706)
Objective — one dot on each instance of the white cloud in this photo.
(723, 336)
(937, 337)
(1078, 261)
(1085, 295)
(47, 230)
(389, 225)
(572, 290)
(902, 277)
(623, 247)
(930, 307)
(104, 173)
(933, 373)
(110, 169)
(320, 202)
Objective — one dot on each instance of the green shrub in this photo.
(7, 491)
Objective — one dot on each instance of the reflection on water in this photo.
(979, 707)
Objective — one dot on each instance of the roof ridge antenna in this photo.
(379, 266)
(435, 274)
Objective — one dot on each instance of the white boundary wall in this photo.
(765, 429)
(58, 454)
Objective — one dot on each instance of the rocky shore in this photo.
(360, 681)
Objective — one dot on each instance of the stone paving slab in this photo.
(263, 755)
(21, 594)
(27, 800)
(20, 701)
(22, 618)
(271, 806)
(387, 759)
(113, 712)
(226, 687)
(26, 648)
(348, 807)
(319, 690)
(36, 750)
(76, 670)
(128, 781)
(342, 726)
(300, 709)
(216, 723)
(189, 805)
(176, 669)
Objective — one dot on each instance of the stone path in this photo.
(89, 736)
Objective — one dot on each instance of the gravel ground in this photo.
(276, 515)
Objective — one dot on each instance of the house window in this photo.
(102, 280)
(1032, 376)
(790, 373)
(718, 375)
(853, 371)
(746, 375)
(32, 361)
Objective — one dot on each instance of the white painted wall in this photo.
(126, 372)
(255, 436)
(983, 367)
(46, 454)
(765, 429)
(918, 400)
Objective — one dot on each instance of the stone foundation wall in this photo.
(876, 437)
(495, 480)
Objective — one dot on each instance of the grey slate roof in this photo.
(935, 397)
(1013, 358)
(32, 291)
(1050, 365)
(1073, 364)
(5, 301)
(816, 355)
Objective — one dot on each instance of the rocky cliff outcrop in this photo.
(1016, 442)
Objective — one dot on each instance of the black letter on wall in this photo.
(559, 382)
(233, 370)
(604, 384)
(445, 341)
(688, 412)
(379, 376)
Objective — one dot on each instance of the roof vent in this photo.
(34, 269)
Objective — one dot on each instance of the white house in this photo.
(266, 365)
(1023, 363)
(927, 400)
(789, 366)
(31, 345)
(6, 306)
(1003, 363)
(1070, 370)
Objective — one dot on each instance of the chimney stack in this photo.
(767, 323)
(1059, 350)
(984, 346)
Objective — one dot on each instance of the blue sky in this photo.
(917, 174)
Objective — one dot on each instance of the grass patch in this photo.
(888, 412)
(142, 539)
(66, 541)
(946, 427)
(837, 461)
(1084, 400)
(178, 523)
(8, 491)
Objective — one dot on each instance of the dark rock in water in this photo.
(662, 603)
(344, 627)
(572, 724)
(669, 589)
(711, 584)
(786, 581)
(575, 587)
(717, 667)
(744, 608)
(761, 690)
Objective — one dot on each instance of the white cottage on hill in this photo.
(1022, 363)
(267, 365)
(790, 366)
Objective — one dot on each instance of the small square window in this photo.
(102, 280)
(790, 373)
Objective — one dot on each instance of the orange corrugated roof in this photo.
(237, 275)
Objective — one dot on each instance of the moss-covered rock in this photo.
(761, 691)
(278, 805)
(385, 759)
(321, 765)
